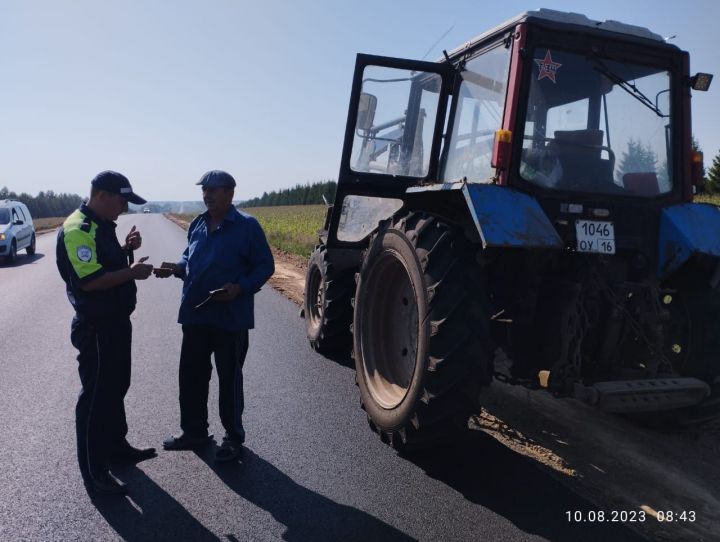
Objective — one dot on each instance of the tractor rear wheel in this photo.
(421, 332)
(328, 304)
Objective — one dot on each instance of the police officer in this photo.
(100, 278)
(226, 262)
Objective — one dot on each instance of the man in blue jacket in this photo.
(226, 262)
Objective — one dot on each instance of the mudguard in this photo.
(687, 229)
(504, 217)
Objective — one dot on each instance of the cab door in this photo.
(392, 141)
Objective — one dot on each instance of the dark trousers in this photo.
(230, 349)
(104, 367)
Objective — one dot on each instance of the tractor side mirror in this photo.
(662, 102)
(366, 111)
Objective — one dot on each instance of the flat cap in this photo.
(216, 178)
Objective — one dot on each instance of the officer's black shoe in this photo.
(128, 455)
(186, 442)
(105, 484)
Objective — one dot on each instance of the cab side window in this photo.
(480, 103)
(396, 118)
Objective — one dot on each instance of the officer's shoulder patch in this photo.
(84, 253)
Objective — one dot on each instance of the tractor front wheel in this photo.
(328, 305)
(693, 347)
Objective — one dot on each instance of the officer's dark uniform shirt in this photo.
(87, 247)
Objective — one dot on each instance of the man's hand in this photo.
(140, 270)
(133, 241)
(230, 293)
(165, 270)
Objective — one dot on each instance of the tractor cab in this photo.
(552, 104)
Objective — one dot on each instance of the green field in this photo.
(44, 224)
(292, 228)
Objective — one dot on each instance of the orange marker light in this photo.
(501, 149)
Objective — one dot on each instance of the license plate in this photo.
(595, 236)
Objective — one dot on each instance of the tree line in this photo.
(636, 158)
(300, 194)
(641, 158)
(45, 204)
(712, 177)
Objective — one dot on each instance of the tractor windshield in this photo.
(597, 125)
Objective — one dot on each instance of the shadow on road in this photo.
(21, 259)
(306, 514)
(148, 513)
(489, 474)
(341, 359)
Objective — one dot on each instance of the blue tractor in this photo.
(529, 193)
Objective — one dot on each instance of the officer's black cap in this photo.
(216, 178)
(116, 183)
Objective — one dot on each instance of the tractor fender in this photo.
(686, 229)
(503, 216)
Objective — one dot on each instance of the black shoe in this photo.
(186, 442)
(105, 484)
(128, 455)
(229, 450)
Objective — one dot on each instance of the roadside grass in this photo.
(46, 224)
(291, 228)
(708, 198)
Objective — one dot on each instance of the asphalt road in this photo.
(313, 470)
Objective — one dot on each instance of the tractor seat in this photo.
(579, 152)
(642, 184)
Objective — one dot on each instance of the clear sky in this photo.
(163, 91)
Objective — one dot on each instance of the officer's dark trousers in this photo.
(230, 348)
(104, 367)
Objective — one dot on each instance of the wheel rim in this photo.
(390, 331)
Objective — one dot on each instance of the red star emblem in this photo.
(548, 68)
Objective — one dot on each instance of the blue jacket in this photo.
(237, 252)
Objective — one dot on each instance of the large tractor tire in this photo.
(328, 305)
(693, 346)
(421, 332)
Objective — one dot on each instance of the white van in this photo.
(16, 229)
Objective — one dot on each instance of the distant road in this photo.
(313, 470)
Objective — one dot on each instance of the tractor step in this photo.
(643, 395)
